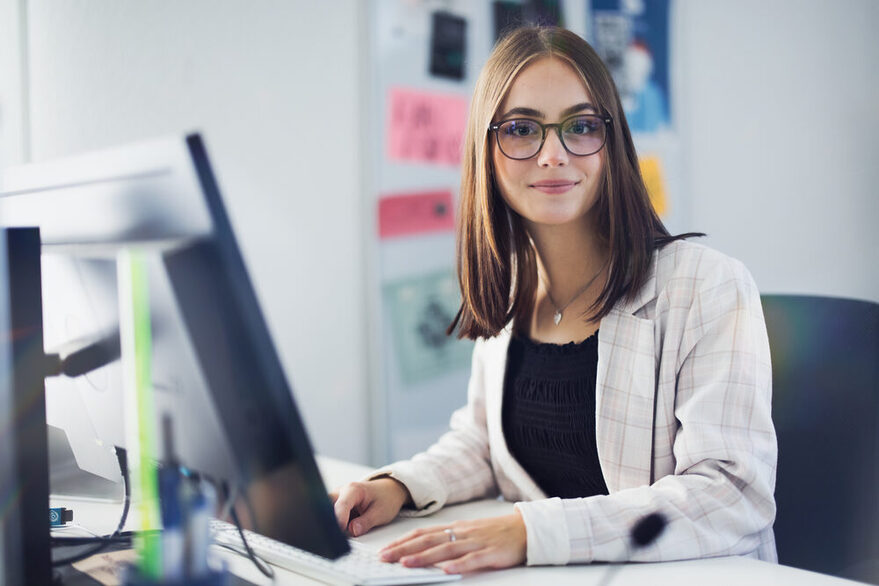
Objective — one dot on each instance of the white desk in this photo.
(731, 571)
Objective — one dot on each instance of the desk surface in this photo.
(716, 571)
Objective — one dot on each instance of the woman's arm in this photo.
(457, 467)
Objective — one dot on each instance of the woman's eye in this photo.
(521, 129)
(583, 126)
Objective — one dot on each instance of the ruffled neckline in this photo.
(552, 349)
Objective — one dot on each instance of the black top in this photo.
(549, 414)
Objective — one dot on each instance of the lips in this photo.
(554, 186)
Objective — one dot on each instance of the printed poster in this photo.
(409, 214)
(426, 127)
(631, 36)
(654, 180)
(421, 308)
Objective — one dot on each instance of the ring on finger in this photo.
(451, 534)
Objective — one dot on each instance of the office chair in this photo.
(825, 405)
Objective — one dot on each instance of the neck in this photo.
(568, 257)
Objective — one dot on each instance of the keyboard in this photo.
(361, 566)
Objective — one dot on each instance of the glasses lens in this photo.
(583, 135)
(519, 139)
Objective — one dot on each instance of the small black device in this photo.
(448, 45)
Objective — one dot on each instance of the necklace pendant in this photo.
(557, 317)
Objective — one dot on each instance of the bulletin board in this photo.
(420, 65)
(419, 78)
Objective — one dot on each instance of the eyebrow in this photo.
(538, 114)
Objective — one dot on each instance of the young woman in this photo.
(618, 370)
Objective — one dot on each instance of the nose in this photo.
(553, 153)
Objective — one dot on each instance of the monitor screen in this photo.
(215, 370)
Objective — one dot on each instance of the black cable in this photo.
(70, 541)
(103, 542)
(266, 571)
(229, 498)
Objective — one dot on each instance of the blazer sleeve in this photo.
(457, 467)
(719, 501)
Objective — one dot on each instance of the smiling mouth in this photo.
(554, 186)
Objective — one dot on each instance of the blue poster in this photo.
(631, 36)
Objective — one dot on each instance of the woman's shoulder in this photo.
(684, 266)
(488, 348)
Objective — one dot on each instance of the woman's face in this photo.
(554, 187)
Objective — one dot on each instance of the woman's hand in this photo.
(494, 543)
(360, 506)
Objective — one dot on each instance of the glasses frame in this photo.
(607, 120)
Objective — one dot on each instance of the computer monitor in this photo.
(215, 370)
(10, 518)
(24, 480)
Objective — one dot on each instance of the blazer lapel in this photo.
(625, 392)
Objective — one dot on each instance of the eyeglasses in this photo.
(581, 135)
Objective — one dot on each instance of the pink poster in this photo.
(415, 213)
(425, 126)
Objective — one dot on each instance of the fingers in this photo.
(440, 553)
(415, 542)
(425, 547)
(350, 498)
(494, 543)
(479, 559)
(360, 506)
(373, 515)
(416, 534)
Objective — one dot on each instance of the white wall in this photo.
(13, 146)
(273, 87)
(782, 117)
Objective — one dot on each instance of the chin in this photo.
(555, 219)
(555, 215)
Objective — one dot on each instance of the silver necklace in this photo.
(557, 316)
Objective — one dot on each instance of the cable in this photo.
(230, 500)
(124, 537)
(266, 570)
(102, 542)
(220, 487)
(228, 512)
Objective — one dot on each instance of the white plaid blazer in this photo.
(683, 427)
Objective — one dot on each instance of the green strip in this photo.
(149, 545)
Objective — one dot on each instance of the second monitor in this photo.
(215, 368)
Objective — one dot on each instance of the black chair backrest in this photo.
(825, 405)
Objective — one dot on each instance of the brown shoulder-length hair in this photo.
(497, 266)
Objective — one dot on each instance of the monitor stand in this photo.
(68, 479)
